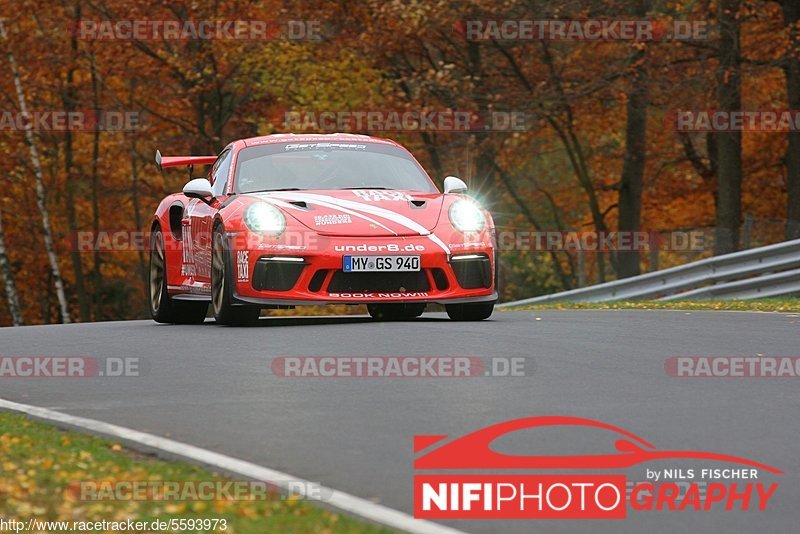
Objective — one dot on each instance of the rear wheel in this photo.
(470, 311)
(395, 312)
(163, 308)
(221, 301)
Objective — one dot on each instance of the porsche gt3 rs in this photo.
(287, 220)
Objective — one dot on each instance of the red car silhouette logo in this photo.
(473, 451)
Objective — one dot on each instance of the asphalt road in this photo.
(213, 387)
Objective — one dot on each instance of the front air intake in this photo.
(473, 271)
(277, 273)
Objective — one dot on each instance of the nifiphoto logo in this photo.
(601, 491)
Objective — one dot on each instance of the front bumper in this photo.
(310, 275)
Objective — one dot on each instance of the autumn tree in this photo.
(729, 143)
(791, 67)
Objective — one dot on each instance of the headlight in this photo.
(264, 218)
(467, 216)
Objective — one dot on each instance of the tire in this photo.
(163, 308)
(224, 311)
(471, 311)
(395, 312)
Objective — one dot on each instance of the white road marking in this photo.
(338, 499)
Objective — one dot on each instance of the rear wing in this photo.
(163, 162)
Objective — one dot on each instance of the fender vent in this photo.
(175, 217)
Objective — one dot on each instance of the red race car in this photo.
(287, 219)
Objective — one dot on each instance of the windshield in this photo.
(335, 165)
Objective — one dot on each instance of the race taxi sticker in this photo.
(326, 220)
(242, 265)
(373, 195)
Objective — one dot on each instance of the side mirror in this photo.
(198, 188)
(454, 185)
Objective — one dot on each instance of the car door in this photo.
(201, 216)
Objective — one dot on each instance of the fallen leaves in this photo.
(46, 473)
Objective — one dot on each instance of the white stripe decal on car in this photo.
(273, 199)
(373, 210)
(358, 206)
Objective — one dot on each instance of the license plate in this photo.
(366, 264)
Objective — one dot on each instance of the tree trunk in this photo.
(68, 98)
(791, 17)
(8, 280)
(41, 202)
(729, 144)
(97, 277)
(135, 201)
(630, 192)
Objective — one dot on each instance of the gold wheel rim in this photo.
(157, 272)
(218, 273)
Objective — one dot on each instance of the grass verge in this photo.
(766, 305)
(43, 469)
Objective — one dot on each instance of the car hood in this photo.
(363, 212)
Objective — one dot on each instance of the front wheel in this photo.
(221, 301)
(470, 311)
(395, 312)
(163, 308)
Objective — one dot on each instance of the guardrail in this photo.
(753, 273)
